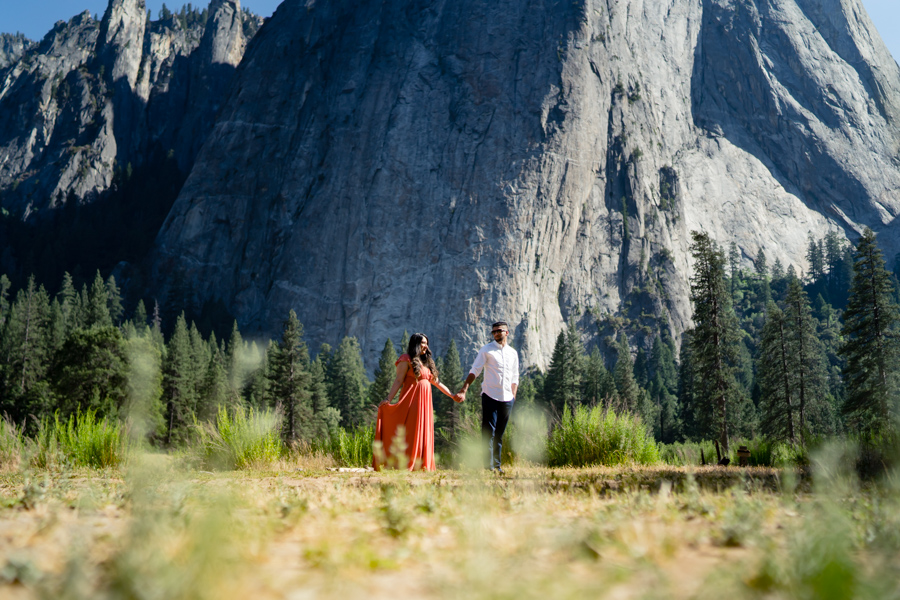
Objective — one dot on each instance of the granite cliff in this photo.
(95, 99)
(438, 165)
(12, 47)
(401, 164)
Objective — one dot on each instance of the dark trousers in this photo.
(494, 417)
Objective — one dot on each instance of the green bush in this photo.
(80, 441)
(351, 448)
(240, 439)
(600, 437)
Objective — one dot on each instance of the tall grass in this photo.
(348, 448)
(81, 441)
(12, 444)
(688, 453)
(594, 436)
(763, 453)
(240, 439)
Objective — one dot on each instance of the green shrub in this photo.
(349, 448)
(240, 439)
(80, 441)
(600, 437)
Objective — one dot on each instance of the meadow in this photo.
(297, 524)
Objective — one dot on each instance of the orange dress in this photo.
(414, 413)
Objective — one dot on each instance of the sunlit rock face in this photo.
(96, 99)
(12, 47)
(436, 166)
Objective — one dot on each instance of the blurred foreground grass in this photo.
(158, 529)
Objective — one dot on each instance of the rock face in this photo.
(437, 166)
(94, 100)
(12, 47)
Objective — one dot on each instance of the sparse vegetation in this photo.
(159, 530)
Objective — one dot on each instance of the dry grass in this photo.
(157, 530)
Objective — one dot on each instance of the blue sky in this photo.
(35, 17)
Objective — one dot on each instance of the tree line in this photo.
(74, 351)
(761, 359)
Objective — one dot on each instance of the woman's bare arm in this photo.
(402, 367)
(444, 389)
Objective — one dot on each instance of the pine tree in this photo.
(140, 316)
(597, 383)
(779, 280)
(56, 327)
(25, 348)
(664, 389)
(179, 380)
(809, 364)
(114, 300)
(718, 402)
(690, 428)
(91, 372)
(326, 419)
(68, 302)
(562, 385)
(815, 255)
(348, 383)
(734, 264)
(628, 390)
(871, 346)
(200, 357)
(762, 274)
(642, 373)
(156, 322)
(446, 410)
(289, 380)
(256, 386)
(662, 362)
(97, 306)
(4, 299)
(777, 379)
(452, 374)
(777, 270)
(214, 388)
(404, 342)
(385, 374)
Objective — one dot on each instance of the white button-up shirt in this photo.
(501, 370)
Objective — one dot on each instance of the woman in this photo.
(416, 373)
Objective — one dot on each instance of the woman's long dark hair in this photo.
(414, 350)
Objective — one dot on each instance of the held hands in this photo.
(459, 396)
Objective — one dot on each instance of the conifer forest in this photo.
(776, 355)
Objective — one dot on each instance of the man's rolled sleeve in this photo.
(515, 373)
(478, 365)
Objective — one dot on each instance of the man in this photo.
(500, 363)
